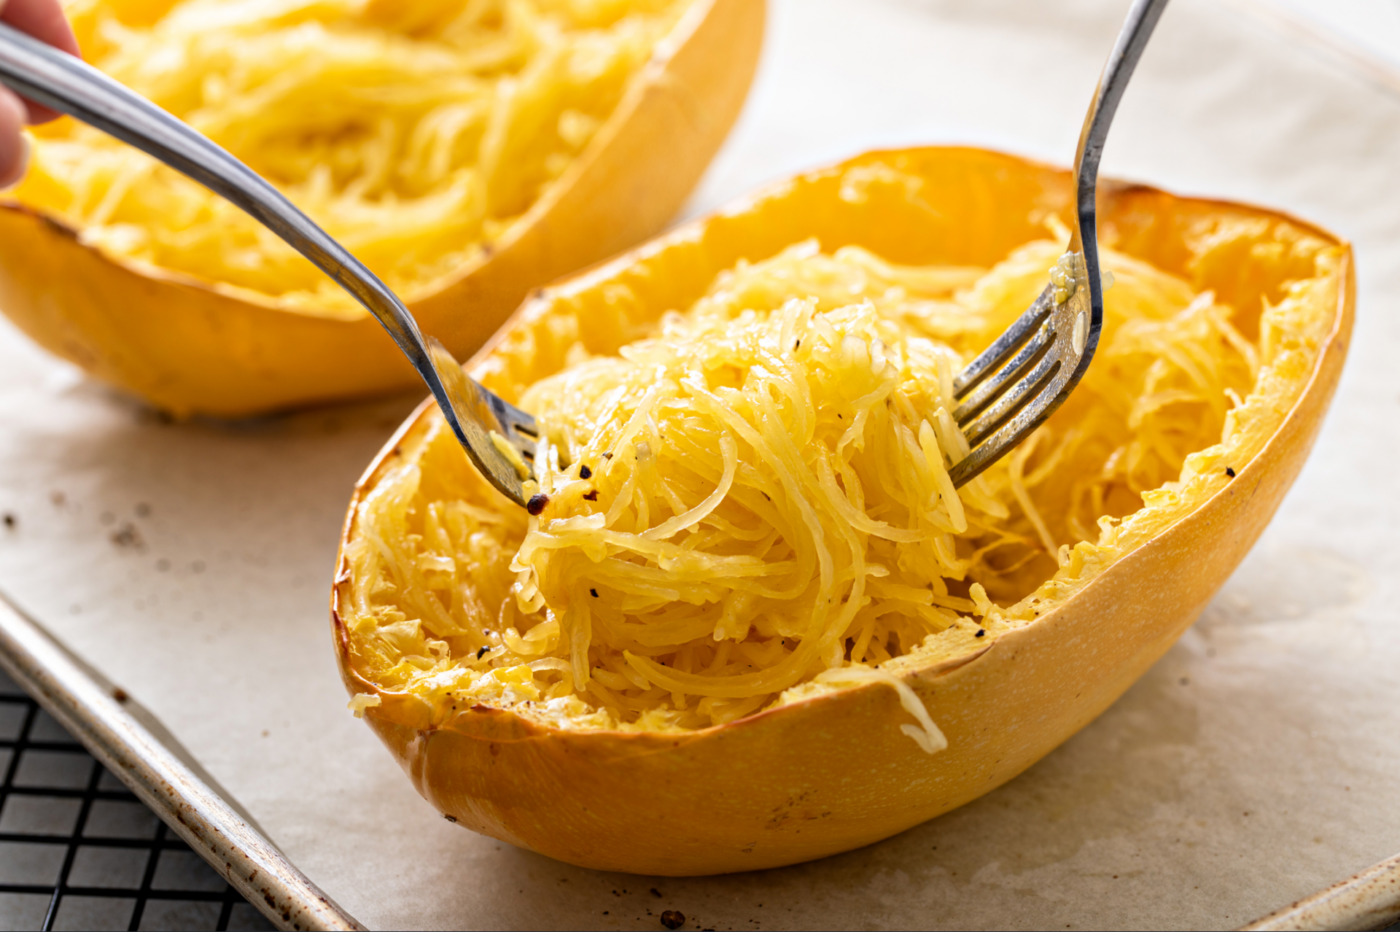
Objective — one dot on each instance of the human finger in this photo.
(14, 146)
(44, 20)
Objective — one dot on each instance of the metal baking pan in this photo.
(105, 720)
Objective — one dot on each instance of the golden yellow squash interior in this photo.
(414, 131)
(748, 500)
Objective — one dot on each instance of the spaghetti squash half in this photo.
(749, 515)
(464, 151)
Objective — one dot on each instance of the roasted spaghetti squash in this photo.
(749, 519)
(465, 151)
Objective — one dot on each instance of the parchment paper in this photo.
(1255, 764)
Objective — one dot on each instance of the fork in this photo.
(1029, 371)
(482, 421)
(1005, 393)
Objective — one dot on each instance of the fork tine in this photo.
(1010, 340)
(987, 392)
(1011, 403)
(520, 427)
(1011, 432)
(474, 414)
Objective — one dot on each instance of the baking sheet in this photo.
(1253, 765)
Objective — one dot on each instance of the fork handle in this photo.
(66, 84)
(1132, 39)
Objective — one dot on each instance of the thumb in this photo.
(14, 145)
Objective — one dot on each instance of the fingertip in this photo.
(11, 112)
(14, 145)
(45, 21)
(42, 19)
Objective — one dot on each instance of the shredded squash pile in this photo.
(414, 131)
(754, 500)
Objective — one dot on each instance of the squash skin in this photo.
(191, 347)
(833, 772)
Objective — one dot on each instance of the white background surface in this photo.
(1255, 764)
(1373, 26)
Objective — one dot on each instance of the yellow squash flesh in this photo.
(192, 347)
(833, 771)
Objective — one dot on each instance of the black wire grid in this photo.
(80, 851)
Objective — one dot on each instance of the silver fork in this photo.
(67, 85)
(1006, 392)
(1030, 369)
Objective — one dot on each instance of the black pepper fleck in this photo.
(1230, 471)
(481, 652)
(536, 503)
(585, 473)
(673, 919)
(981, 632)
(607, 456)
(127, 536)
(450, 818)
(591, 495)
(593, 592)
(10, 520)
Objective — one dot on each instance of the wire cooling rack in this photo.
(80, 851)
